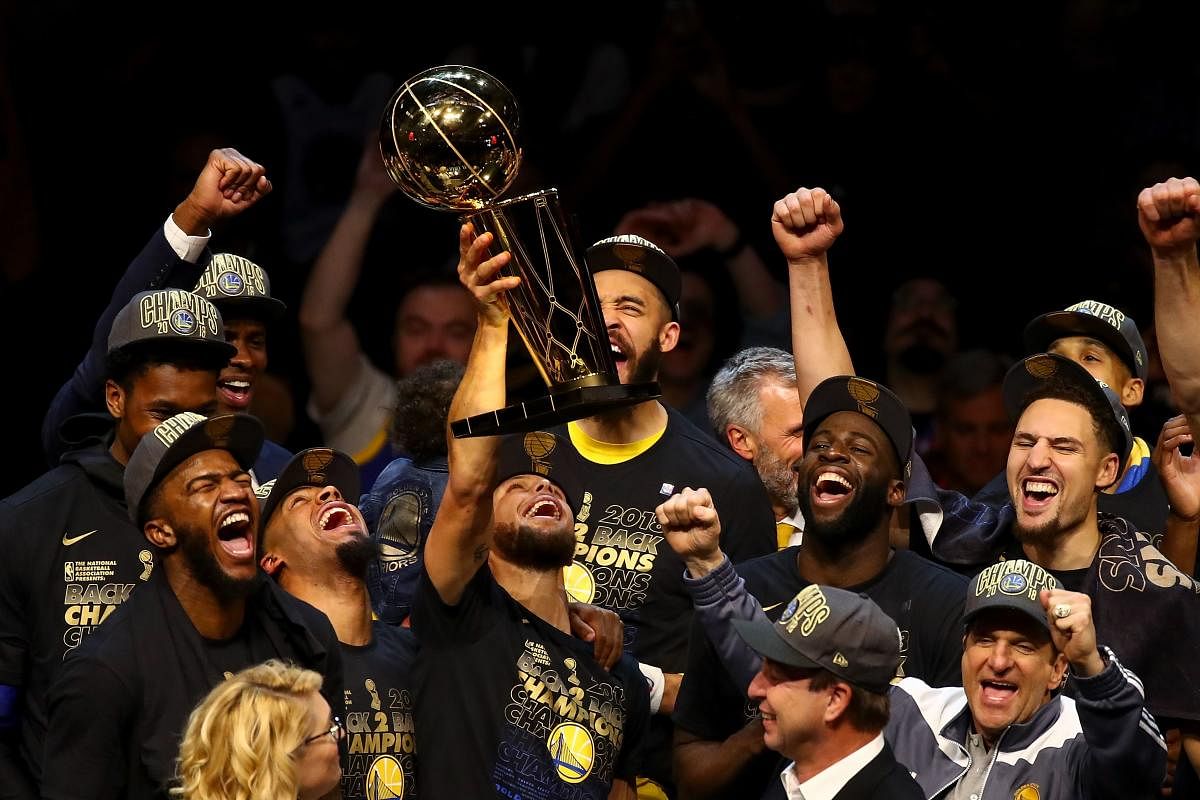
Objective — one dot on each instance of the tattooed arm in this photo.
(458, 543)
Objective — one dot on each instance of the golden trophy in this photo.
(449, 140)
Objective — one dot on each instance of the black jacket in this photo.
(881, 779)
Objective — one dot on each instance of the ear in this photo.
(741, 440)
(1058, 675)
(668, 337)
(839, 701)
(114, 399)
(1109, 469)
(1132, 392)
(896, 493)
(271, 564)
(160, 534)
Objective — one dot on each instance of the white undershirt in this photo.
(829, 781)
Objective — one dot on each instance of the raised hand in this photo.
(1169, 215)
(477, 272)
(1071, 627)
(229, 184)
(693, 529)
(806, 223)
(1180, 474)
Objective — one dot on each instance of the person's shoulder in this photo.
(44, 488)
(682, 432)
(772, 565)
(937, 577)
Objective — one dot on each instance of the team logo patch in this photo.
(263, 490)
(864, 393)
(230, 283)
(399, 531)
(147, 559)
(1041, 367)
(316, 465)
(1028, 792)
(807, 610)
(385, 779)
(571, 751)
(579, 583)
(538, 446)
(1013, 583)
(183, 322)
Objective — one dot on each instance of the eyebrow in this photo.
(629, 298)
(1055, 440)
(214, 476)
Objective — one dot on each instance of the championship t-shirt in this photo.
(509, 706)
(71, 557)
(924, 599)
(378, 758)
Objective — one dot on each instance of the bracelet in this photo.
(739, 244)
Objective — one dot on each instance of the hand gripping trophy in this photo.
(449, 140)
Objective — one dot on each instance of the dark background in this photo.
(997, 147)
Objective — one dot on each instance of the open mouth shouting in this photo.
(236, 535)
(235, 392)
(544, 507)
(831, 489)
(1038, 492)
(996, 693)
(337, 517)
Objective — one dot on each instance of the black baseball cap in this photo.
(170, 315)
(831, 629)
(1037, 370)
(530, 454)
(644, 257)
(177, 439)
(1012, 585)
(316, 466)
(871, 399)
(239, 287)
(1095, 319)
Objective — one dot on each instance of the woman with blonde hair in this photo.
(265, 733)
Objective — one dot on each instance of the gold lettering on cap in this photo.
(171, 429)
(1102, 311)
(231, 275)
(807, 610)
(1014, 578)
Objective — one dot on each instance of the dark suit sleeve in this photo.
(156, 267)
(90, 711)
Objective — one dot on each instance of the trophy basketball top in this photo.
(448, 138)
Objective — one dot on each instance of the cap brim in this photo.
(268, 309)
(342, 472)
(999, 603)
(765, 640)
(218, 351)
(1048, 328)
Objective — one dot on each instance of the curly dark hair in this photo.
(422, 405)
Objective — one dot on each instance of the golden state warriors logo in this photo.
(808, 609)
(230, 283)
(1028, 792)
(571, 751)
(579, 583)
(183, 322)
(385, 779)
(864, 393)
(1013, 583)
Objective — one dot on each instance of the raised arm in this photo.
(461, 535)
(331, 348)
(806, 223)
(228, 184)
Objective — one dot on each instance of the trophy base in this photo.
(554, 409)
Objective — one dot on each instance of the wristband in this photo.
(656, 682)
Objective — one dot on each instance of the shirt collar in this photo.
(828, 782)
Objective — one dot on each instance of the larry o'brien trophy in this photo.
(449, 140)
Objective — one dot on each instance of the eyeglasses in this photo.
(337, 730)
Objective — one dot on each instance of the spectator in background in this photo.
(352, 398)
(921, 335)
(400, 507)
(972, 430)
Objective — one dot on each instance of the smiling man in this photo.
(1009, 732)
(315, 544)
(858, 441)
(121, 701)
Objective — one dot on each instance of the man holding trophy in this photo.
(449, 140)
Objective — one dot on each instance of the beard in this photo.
(203, 564)
(356, 555)
(526, 546)
(856, 522)
(646, 364)
(777, 478)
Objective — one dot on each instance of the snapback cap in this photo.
(239, 287)
(1100, 321)
(1012, 585)
(170, 315)
(316, 466)
(644, 257)
(871, 399)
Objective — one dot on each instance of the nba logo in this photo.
(68, 571)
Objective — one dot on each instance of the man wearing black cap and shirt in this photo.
(120, 702)
(315, 544)
(71, 554)
(618, 466)
(228, 185)
(510, 704)
(1009, 733)
(822, 691)
(858, 441)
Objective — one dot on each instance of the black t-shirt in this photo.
(121, 701)
(622, 561)
(924, 599)
(380, 747)
(509, 706)
(71, 557)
